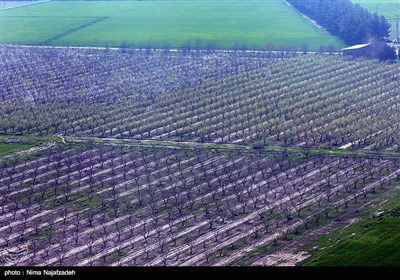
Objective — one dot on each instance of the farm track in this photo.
(228, 146)
(72, 30)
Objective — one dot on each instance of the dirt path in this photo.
(234, 147)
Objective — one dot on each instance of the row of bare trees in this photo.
(121, 205)
(305, 101)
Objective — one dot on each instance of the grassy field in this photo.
(11, 144)
(223, 24)
(11, 148)
(373, 241)
(389, 8)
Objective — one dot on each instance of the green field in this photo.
(223, 24)
(388, 8)
(373, 241)
(11, 148)
(11, 144)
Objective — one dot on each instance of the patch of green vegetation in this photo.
(45, 233)
(373, 241)
(377, 245)
(11, 144)
(388, 8)
(87, 202)
(221, 24)
(6, 149)
(273, 149)
(293, 150)
(395, 212)
(187, 224)
(339, 152)
(232, 247)
(222, 146)
(155, 142)
(115, 256)
(263, 250)
(19, 30)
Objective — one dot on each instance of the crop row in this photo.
(227, 98)
(154, 206)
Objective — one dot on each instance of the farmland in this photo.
(214, 24)
(190, 157)
(388, 8)
(274, 99)
(130, 206)
(372, 241)
(9, 148)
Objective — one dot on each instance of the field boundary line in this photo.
(70, 31)
(336, 152)
(45, 17)
(30, 4)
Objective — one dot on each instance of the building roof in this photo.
(356, 47)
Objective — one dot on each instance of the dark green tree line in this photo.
(347, 20)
